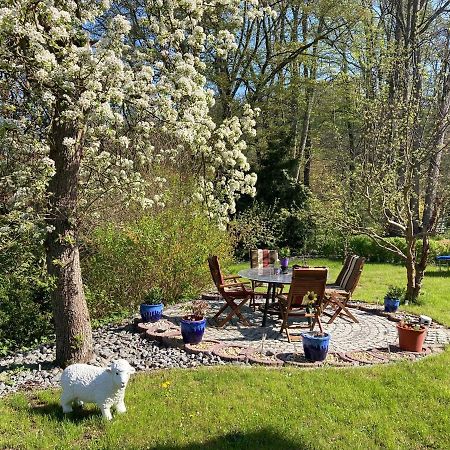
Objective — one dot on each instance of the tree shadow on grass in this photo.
(258, 440)
(53, 411)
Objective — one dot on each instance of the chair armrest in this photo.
(282, 298)
(231, 277)
(233, 285)
(337, 293)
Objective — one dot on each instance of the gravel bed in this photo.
(35, 368)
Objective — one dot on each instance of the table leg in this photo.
(266, 307)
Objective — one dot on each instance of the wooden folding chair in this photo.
(232, 291)
(293, 304)
(338, 295)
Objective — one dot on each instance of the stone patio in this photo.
(373, 330)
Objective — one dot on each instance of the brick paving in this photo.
(372, 331)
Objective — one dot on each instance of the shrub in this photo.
(332, 244)
(25, 312)
(365, 246)
(25, 304)
(168, 249)
(261, 226)
(255, 227)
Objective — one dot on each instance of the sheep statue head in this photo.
(120, 371)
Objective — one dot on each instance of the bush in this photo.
(365, 246)
(25, 313)
(261, 226)
(255, 227)
(168, 250)
(25, 304)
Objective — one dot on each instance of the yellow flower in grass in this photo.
(165, 385)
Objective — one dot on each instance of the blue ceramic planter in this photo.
(315, 347)
(284, 262)
(151, 313)
(391, 304)
(192, 330)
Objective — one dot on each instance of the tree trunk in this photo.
(308, 162)
(410, 267)
(420, 268)
(415, 269)
(71, 315)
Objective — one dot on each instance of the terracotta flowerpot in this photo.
(411, 340)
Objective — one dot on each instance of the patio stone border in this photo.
(169, 334)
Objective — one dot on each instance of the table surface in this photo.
(266, 275)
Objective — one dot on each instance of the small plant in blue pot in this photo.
(152, 307)
(315, 345)
(394, 296)
(193, 324)
(284, 254)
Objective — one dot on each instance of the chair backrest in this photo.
(344, 269)
(351, 277)
(216, 273)
(306, 280)
(262, 258)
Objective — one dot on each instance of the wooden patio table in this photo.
(273, 279)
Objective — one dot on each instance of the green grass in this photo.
(400, 406)
(403, 405)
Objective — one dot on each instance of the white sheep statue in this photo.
(103, 386)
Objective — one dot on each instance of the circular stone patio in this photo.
(375, 330)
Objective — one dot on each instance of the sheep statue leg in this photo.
(120, 405)
(66, 403)
(106, 412)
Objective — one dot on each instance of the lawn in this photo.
(403, 405)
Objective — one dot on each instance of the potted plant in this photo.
(152, 306)
(394, 296)
(284, 254)
(310, 300)
(315, 345)
(411, 336)
(193, 324)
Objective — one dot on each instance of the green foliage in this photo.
(168, 249)
(261, 226)
(333, 244)
(25, 288)
(255, 227)
(365, 246)
(396, 292)
(154, 296)
(284, 252)
(25, 312)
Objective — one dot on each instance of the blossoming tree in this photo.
(82, 101)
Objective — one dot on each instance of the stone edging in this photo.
(169, 334)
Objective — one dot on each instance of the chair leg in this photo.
(288, 334)
(239, 314)
(235, 310)
(284, 321)
(341, 308)
(221, 310)
(318, 321)
(253, 299)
